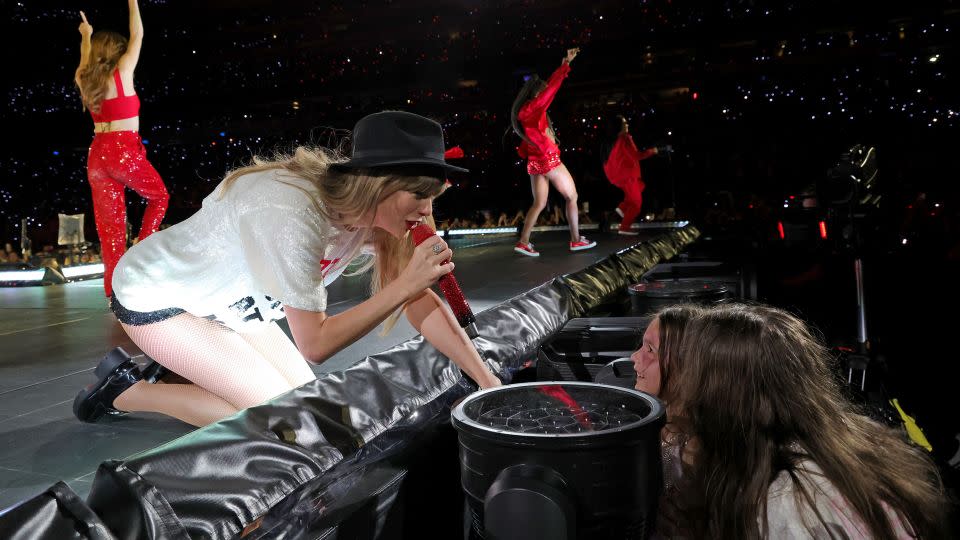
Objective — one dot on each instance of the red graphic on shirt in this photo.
(325, 264)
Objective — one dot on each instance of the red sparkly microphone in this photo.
(449, 287)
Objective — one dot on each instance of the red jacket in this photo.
(623, 165)
(533, 118)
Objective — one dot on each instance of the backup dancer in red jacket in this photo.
(117, 158)
(623, 170)
(539, 147)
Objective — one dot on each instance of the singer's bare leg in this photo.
(541, 189)
(563, 182)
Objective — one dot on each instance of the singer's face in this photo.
(401, 211)
(646, 360)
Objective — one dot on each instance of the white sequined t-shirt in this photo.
(249, 250)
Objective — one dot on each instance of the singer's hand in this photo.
(425, 266)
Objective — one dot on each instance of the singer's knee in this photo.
(538, 205)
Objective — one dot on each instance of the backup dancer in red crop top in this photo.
(117, 158)
(539, 147)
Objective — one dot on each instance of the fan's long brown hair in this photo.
(757, 396)
(673, 322)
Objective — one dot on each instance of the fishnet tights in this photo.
(230, 371)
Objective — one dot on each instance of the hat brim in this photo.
(367, 164)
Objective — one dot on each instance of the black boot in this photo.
(115, 373)
(153, 371)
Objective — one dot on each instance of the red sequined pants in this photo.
(118, 160)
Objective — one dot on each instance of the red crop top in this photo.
(533, 119)
(120, 107)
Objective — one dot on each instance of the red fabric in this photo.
(631, 205)
(453, 153)
(533, 119)
(623, 164)
(117, 160)
(117, 108)
(623, 170)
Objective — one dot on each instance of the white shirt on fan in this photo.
(790, 517)
(248, 251)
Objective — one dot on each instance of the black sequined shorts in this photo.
(139, 318)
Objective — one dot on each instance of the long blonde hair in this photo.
(106, 48)
(343, 195)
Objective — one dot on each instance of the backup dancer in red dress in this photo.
(117, 158)
(623, 170)
(539, 147)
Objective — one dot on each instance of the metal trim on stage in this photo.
(26, 275)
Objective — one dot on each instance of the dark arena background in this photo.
(808, 161)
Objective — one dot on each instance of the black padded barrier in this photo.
(56, 514)
(332, 458)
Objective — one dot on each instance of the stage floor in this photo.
(52, 337)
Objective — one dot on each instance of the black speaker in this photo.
(648, 298)
(560, 461)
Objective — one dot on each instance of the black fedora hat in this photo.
(396, 138)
